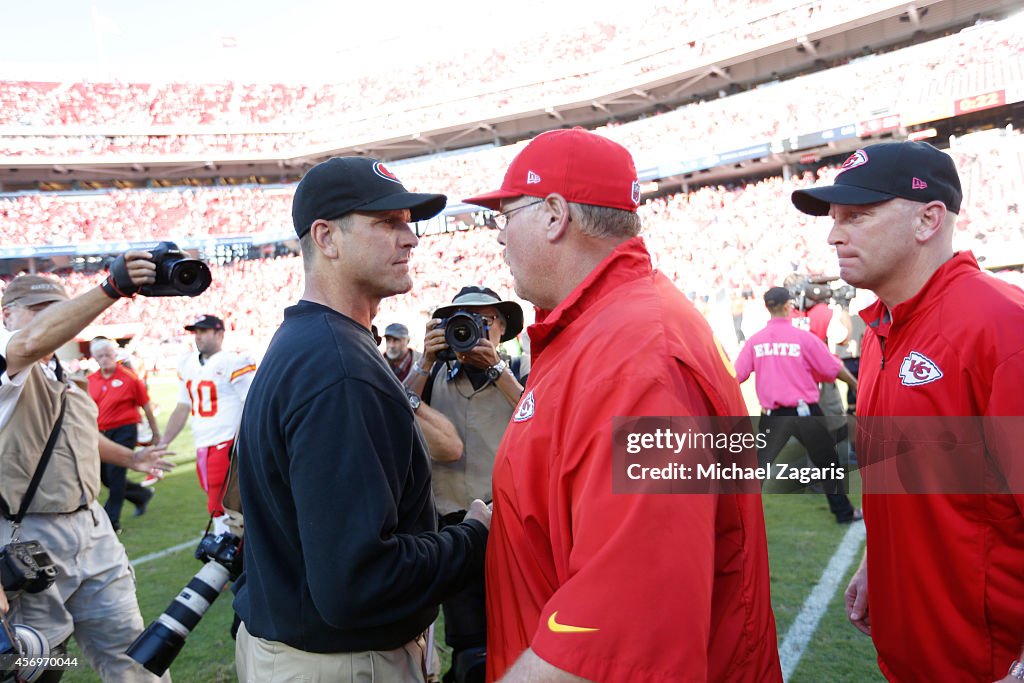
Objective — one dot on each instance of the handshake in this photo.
(163, 271)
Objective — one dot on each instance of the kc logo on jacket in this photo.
(525, 410)
(918, 369)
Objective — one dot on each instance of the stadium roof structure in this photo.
(611, 95)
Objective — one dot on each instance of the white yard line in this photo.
(806, 623)
(165, 552)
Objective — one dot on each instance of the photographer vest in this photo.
(481, 419)
(72, 477)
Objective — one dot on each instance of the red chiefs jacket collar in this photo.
(880, 319)
(629, 261)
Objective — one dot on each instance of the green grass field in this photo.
(802, 536)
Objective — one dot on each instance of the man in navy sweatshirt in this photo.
(344, 568)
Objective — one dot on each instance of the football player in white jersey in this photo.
(213, 387)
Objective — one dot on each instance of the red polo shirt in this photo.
(641, 588)
(119, 397)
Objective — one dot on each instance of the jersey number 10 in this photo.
(204, 400)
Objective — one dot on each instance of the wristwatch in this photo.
(1016, 670)
(414, 400)
(494, 372)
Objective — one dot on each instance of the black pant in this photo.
(813, 435)
(115, 477)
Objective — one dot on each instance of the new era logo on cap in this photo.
(918, 184)
(532, 178)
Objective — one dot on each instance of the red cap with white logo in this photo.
(583, 167)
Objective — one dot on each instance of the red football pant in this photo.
(212, 468)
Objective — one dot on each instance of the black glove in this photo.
(119, 283)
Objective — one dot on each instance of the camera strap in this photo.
(37, 476)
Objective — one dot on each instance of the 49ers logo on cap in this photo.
(384, 172)
(917, 369)
(858, 158)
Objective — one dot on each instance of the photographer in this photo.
(94, 592)
(478, 392)
(814, 312)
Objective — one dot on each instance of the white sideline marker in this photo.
(163, 553)
(806, 623)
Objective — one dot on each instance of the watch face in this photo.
(493, 373)
(414, 401)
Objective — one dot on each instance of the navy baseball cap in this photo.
(776, 296)
(342, 185)
(911, 170)
(205, 322)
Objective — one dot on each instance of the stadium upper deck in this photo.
(865, 96)
(603, 72)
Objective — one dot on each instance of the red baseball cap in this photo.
(583, 167)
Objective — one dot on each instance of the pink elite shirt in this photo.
(786, 361)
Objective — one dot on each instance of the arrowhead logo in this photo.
(525, 410)
(532, 178)
(565, 628)
(858, 158)
(117, 383)
(918, 184)
(917, 369)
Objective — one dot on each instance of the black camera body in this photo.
(462, 331)
(177, 274)
(807, 292)
(27, 567)
(225, 550)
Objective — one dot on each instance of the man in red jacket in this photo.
(583, 584)
(941, 595)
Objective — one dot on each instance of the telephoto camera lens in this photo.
(19, 640)
(160, 643)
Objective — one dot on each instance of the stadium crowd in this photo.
(712, 242)
(264, 119)
(505, 66)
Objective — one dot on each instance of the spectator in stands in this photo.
(939, 587)
(213, 385)
(119, 393)
(93, 596)
(613, 337)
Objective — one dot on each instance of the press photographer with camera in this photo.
(50, 454)
(462, 375)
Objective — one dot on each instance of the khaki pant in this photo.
(266, 661)
(93, 596)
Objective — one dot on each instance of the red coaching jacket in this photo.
(613, 587)
(945, 570)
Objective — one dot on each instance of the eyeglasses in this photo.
(501, 219)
